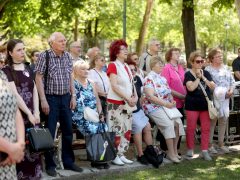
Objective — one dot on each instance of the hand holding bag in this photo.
(100, 147)
(173, 112)
(40, 139)
(89, 113)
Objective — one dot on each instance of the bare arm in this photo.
(73, 94)
(237, 74)
(36, 104)
(40, 89)
(21, 104)
(155, 100)
(178, 95)
(14, 150)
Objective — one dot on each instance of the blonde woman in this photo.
(157, 94)
(86, 93)
(99, 77)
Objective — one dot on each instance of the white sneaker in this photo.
(189, 153)
(224, 149)
(117, 161)
(125, 160)
(206, 156)
(212, 150)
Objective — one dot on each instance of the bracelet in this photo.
(205, 79)
(74, 95)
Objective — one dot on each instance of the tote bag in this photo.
(99, 147)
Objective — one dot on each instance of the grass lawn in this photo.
(225, 167)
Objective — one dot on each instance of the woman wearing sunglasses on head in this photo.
(196, 104)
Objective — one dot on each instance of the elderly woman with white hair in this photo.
(157, 95)
(87, 97)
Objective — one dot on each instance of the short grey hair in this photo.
(53, 37)
(151, 41)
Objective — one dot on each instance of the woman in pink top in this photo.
(174, 73)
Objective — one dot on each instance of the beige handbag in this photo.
(211, 108)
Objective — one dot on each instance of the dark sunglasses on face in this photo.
(199, 61)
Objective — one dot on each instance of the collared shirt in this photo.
(59, 72)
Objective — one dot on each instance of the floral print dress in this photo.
(86, 95)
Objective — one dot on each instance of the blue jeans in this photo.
(60, 111)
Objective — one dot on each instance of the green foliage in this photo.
(102, 19)
(220, 4)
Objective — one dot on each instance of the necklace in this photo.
(174, 65)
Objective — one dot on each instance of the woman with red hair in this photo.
(121, 98)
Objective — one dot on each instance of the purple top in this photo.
(24, 87)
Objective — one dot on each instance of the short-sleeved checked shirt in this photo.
(59, 72)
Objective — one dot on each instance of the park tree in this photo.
(144, 26)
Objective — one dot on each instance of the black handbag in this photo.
(40, 139)
(99, 147)
(3, 156)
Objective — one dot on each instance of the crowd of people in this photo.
(127, 94)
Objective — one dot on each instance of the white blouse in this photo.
(100, 79)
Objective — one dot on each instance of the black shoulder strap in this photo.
(101, 79)
(46, 71)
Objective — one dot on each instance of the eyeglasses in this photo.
(133, 69)
(123, 49)
(199, 61)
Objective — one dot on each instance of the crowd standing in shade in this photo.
(130, 92)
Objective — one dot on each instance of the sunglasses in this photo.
(199, 61)
(133, 70)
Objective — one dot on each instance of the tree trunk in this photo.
(188, 27)
(143, 30)
(76, 29)
(237, 4)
